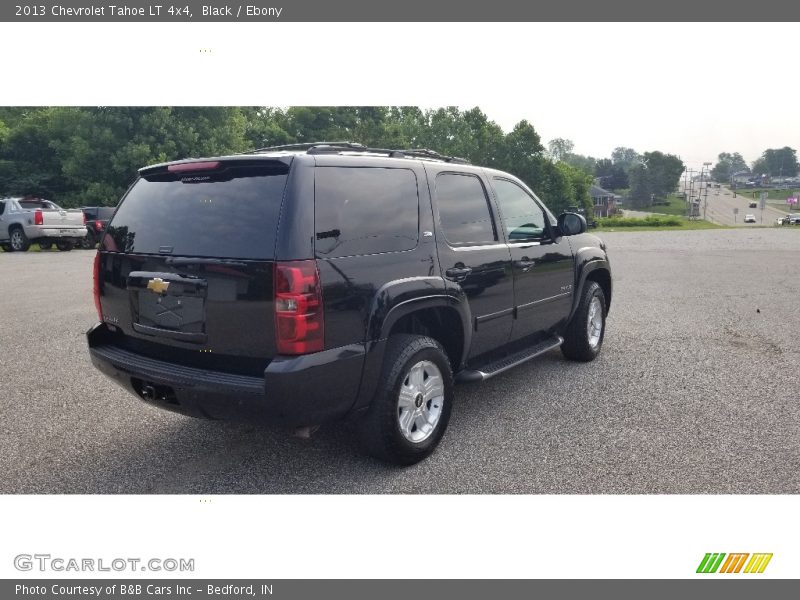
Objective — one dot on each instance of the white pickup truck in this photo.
(26, 220)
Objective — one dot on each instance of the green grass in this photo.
(655, 223)
(676, 205)
(772, 193)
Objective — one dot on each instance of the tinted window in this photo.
(464, 209)
(33, 204)
(105, 213)
(2, 207)
(522, 218)
(228, 213)
(365, 210)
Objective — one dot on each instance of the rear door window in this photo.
(365, 210)
(464, 209)
(227, 213)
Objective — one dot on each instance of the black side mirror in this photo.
(571, 223)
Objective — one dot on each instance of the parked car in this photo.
(314, 282)
(753, 205)
(749, 218)
(792, 219)
(27, 220)
(97, 217)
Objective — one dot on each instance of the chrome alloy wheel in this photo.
(419, 405)
(17, 241)
(594, 322)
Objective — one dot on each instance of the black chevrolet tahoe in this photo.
(309, 283)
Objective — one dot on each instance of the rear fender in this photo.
(392, 302)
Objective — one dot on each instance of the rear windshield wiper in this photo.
(178, 261)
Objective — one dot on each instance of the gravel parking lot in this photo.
(696, 391)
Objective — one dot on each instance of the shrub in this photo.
(649, 221)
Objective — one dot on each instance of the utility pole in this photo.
(686, 194)
(706, 165)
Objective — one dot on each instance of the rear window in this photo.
(226, 213)
(33, 204)
(365, 210)
(105, 213)
(99, 213)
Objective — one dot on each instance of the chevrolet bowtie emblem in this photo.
(158, 285)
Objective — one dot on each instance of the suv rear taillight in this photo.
(299, 319)
(98, 226)
(96, 286)
(84, 218)
(38, 217)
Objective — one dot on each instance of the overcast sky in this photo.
(694, 90)
(690, 89)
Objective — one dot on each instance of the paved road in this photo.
(720, 205)
(696, 391)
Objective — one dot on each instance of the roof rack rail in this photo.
(309, 146)
(335, 147)
(427, 153)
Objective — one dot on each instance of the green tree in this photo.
(624, 157)
(728, 164)
(656, 176)
(79, 156)
(778, 162)
(559, 148)
(611, 176)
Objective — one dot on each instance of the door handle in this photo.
(526, 264)
(458, 273)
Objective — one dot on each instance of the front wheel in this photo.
(45, 244)
(411, 408)
(584, 335)
(65, 246)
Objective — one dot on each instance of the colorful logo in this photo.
(734, 562)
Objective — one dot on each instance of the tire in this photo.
(18, 240)
(585, 332)
(404, 429)
(6, 247)
(45, 245)
(65, 246)
(88, 241)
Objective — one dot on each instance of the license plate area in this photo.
(169, 305)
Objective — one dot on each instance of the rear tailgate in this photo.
(187, 261)
(56, 220)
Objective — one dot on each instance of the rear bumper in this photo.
(302, 390)
(35, 232)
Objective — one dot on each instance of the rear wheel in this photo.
(65, 246)
(584, 336)
(45, 244)
(411, 408)
(6, 247)
(18, 240)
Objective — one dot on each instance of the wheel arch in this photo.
(592, 264)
